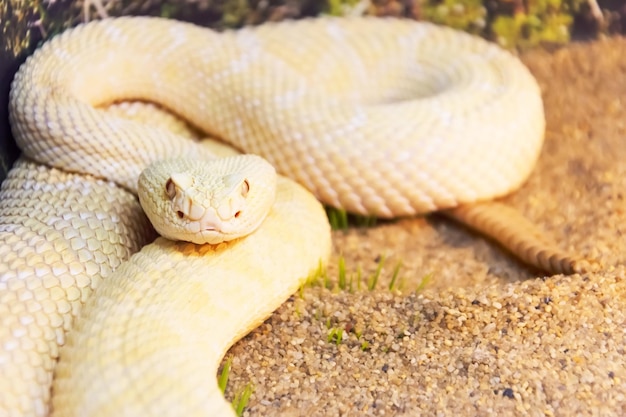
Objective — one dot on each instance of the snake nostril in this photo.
(180, 214)
(238, 214)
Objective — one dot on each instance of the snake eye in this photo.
(238, 214)
(170, 189)
(245, 188)
(180, 214)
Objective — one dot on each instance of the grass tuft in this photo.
(240, 402)
(335, 335)
(339, 219)
(351, 280)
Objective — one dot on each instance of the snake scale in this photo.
(376, 116)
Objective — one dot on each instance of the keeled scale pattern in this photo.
(385, 117)
(60, 235)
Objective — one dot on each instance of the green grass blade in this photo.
(373, 281)
(424, 282)
(394, 277)
(222, 382)
(241, 399)
(342, 273)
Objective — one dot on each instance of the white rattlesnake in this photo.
(383, 117)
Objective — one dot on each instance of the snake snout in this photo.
(210, 221)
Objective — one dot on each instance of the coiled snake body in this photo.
(383, 117)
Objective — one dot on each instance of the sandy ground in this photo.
(486, 335)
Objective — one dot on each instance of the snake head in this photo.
(207, 201)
